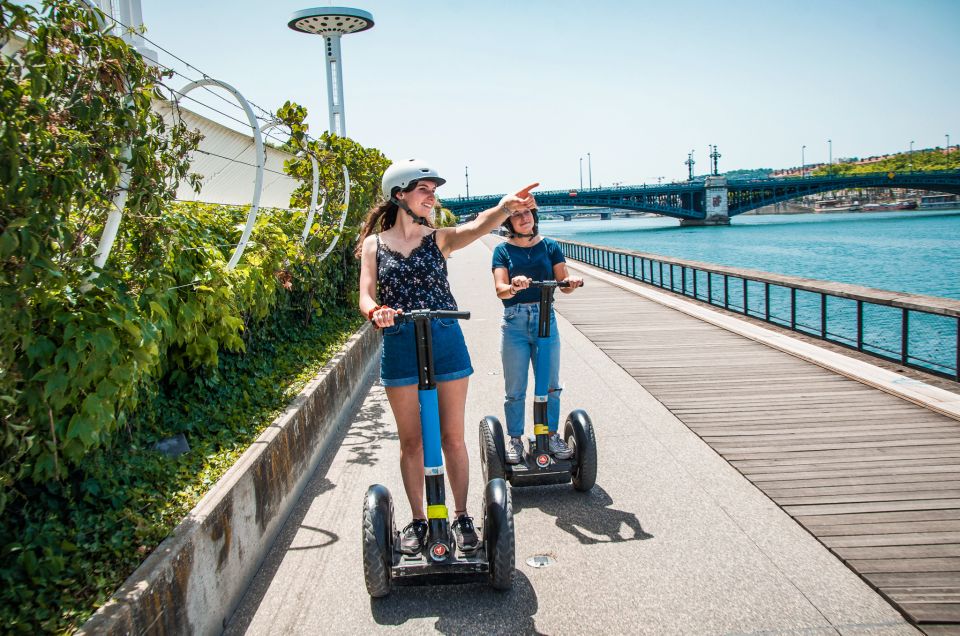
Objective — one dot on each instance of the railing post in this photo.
(710, 287)
(683, 280)
(766, 301)
(661, 273)
(726, 292)
(904, 335)
(793, 308)
(823, 315)
(694, 272)
(860, 325)
(746, 305)
(957, 368)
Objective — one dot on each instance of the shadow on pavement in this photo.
(587, 516)
(368, 428)
(473, 608)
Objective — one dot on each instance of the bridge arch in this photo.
(687, 201)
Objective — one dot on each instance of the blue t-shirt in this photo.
(534, 262)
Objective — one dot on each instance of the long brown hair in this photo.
(381, 218)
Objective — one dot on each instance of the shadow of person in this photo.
(587, 516)
(473, 608)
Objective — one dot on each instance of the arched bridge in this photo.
(716, 199)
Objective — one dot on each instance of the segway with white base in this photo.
(439, 562)
(537, 465)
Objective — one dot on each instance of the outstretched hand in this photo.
(521, 201)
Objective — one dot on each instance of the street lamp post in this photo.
(590, 170)
(581, 173)
(910, 156)
(803, 160)
(830, 143)
(948, 142)
(466, 175)
(333, 23)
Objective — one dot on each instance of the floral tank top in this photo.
(417, 281)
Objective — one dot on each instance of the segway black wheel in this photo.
(492, 449)
(377, 540)
(578, 433)
(498, 536)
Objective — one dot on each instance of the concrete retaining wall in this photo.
(194, 580)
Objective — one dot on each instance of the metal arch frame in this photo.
(261, 155)
(313, 198)
(343, 216)
(316, 184)
(119, 202)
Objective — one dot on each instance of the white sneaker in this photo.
(514, 450)
(558, 447)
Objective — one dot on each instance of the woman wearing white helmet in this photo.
(403, 267)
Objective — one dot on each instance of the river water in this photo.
(907, 251)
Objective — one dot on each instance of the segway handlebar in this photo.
(428, 314)
(550, 283)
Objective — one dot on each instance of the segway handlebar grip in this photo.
(450, 313)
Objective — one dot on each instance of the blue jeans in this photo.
(518, 351)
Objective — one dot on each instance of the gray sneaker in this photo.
(514, 450)
(558, 447)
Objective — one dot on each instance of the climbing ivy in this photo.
(97, 364)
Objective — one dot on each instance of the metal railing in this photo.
(921, 332)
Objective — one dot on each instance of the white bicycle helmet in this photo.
(401, 173)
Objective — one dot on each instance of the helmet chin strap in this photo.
(406, 208)
(526, 236)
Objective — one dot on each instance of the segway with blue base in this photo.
(537, 465)
(439, 562)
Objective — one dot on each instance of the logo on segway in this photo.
(438, 551)
(543, 460)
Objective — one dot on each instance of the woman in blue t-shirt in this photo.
(523, 257)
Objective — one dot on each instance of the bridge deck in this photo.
(873, 477)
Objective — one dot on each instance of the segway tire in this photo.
(578, 433)
(498, 538)
(493, 453)
(377, 540)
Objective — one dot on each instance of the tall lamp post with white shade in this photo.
(332, 23)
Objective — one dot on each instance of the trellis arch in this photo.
(313, 198)
(260, 155)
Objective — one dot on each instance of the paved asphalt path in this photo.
(671, 540)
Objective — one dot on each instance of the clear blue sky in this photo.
(520, 90)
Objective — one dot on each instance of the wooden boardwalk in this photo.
(874, 478)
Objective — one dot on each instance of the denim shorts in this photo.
(398, 359)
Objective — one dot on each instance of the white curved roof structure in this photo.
(227, 162)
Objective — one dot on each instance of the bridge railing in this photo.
(921, 332)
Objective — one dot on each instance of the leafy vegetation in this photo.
(920, 161)
(98, 364)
